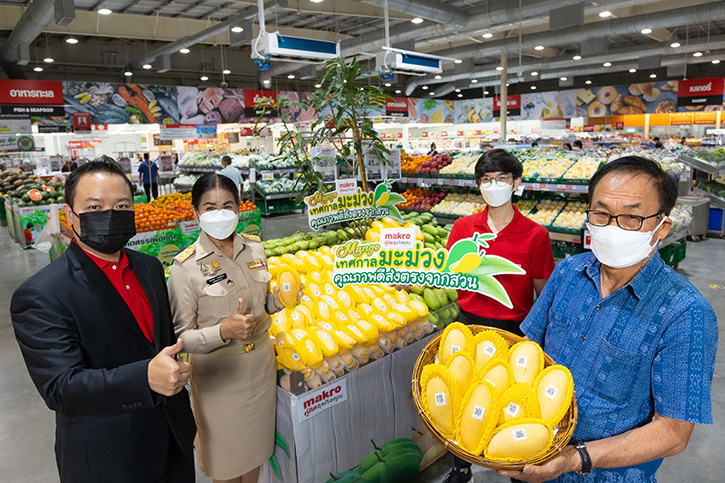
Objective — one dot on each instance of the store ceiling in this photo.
(108, 44)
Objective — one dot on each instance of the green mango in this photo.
(368, 462)
(401, 467)
(304, 245)
(442, 297)
(373, 474)
(415, 296)
(438, 245)
(313, 245)
(417, 289)
(442, 233)
(429, 229)
(452, 294)
(341, 234)
(433, 318)
(431, 300)
(428, 237)
(455, 309)
(391, 448)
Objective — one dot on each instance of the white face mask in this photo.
(495, 195)
(218, 224)
(618, 248)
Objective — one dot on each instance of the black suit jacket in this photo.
(89, 360)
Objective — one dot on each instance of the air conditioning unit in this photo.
(397, 61)
(278, 47)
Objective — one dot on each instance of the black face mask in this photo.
(106, 231)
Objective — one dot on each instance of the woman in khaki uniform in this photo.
(220, 302)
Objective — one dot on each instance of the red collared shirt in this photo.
(523, 242)
(126, 283)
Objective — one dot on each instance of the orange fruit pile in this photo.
(163, 212)
(412, 163)
(247, 205)
(412, 194)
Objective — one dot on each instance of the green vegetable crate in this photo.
(674, 254)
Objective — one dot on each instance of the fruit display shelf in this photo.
(710, 167)
(206, 169)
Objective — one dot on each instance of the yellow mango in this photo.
(485, 346)
(324, 341)
(329, 289)
(402, 297)
(315, 277)
(312, 353)
(380, 305)
(325, 325)
(343, 341)
(520, 439)
(498, 373)
(455, 338)
(294, 262)
(354, 332)
(526, 360)
(299, 318)
(440, 397)
(356, 293)
(280, 323)
(372, 236)
(340, 317)
(353, 314)
(313, 290)
(476, 420)
(383, 324)
(390, 300)
(408, 314)
(323, 310)
(462, 368)
(289, 285)
(344, 299)
(331, 302)
(289, 357)
(395, 318)
(366, 308)
(306, 312)
(325, 260)
(377, 290)
(418, 307)
(369, 294)
(377, 225)
(517, 401)
(389, 222)
(554, 389)
(307, 301)
(369, 330)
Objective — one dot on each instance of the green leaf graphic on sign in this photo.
(395, 213)
(495, 265)
(491, 287)
(395, 198)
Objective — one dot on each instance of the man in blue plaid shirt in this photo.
(638, 337)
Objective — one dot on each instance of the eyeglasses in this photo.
(500, 180)
(625, 222)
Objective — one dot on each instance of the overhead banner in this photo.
(16, 143)
(695, 94)
(32, 98)
(252, 106)
(513, 103)
(333, 207)
(213, 105)
(396, 107)
(15, 125)
(465, 266)
(177, 131)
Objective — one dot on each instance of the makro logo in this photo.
(397, 236)
(323, 399)
(32, 93)
(703, 88)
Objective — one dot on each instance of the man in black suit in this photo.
(96, 333)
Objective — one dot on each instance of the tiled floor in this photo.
(27, 426)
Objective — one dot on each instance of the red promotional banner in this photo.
(700, 92)
(588, 128)
(459, 133)
(425, 134)
(513, 104)
(31, 98)
(82, 122)
(396, 107)
(252, 98)
(246, 131)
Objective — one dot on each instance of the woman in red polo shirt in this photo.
(518, 239)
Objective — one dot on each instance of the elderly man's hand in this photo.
(566, 461)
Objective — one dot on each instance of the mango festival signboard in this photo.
(465, 266)
(334, 207)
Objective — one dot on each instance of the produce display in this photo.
(275, 186)
(492, 396)
(714, 187)
(583, 169)
(264, 163)
(28, 190)
(573, 216)
(435, 163)
(457, 204)
(546, 211)
(681, 217)
(531, 166)
(411, 164)
(462, 165)
(304, 241)
(198, 159)
(554, 168)
(525, 206)
(715, 156)
(421, 199)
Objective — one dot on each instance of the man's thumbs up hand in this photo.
(166, 375)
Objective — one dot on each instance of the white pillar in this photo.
(504, 97)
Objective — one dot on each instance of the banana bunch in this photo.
(492, 399)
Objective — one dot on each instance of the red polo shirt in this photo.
(126, 283)
(523, 242)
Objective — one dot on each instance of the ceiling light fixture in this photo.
(432, 93)
(533, 88)
(458, 61)
(534, 74)
(539, 47)
(632, 71)
(184, 51)
(416, 20)
(316, 1)
(577, 57)
(226, 72)
(128, 73)
(605, 14)
(71, 40)
(38, 69)
(507, 84)
(237, 29)
(587, 82)
(104, 11)
(563, 79)
(147, 66)
(487, 35)
(317, 86)
(674, 45)
(398, 91)
(646, 31)
(388, 84)
(697, 54)
(458, 90)
(204, 78)
(266, 81)
(49, 60)
(653, 76)
(607, 64)
(437, 77)
(499, 68)
(716, 61)
(474, 81)
(485, 93)
(291, 76)
(425, 88)
(460, 95)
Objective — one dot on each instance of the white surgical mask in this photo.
(218, 224)
(619, 248)
(495, 195)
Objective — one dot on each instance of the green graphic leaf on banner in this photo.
(491, 287)
(395, 213)
(394, 199)
(495, 265)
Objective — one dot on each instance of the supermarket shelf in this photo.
(198, 169)
(425, 182)
(560, 188)
(276, 171)
(565, 237)
(703, 165)
(714, 200)
(671, 240)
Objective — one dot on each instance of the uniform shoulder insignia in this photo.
(186, 253)
(251, 237)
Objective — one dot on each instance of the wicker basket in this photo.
(563, 431)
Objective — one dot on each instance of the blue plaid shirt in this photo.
(648, 347)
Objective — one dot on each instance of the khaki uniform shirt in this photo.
(205, 287)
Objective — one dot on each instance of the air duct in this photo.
(428, 9)
(38, 15)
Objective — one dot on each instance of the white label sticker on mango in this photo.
(512, 409)
(478, 413)
(328, 291)
(551, 392)
(440, 399)
(317, 293)
(521, 361)
(454, 349)
(286, 287)
(296, 356)
(327, 336)
(295, 315)
(343, 316)
(299, 336)
(519, 434)
(490, 350)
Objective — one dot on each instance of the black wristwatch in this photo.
(584, 455)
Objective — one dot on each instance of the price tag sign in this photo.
(373, 165)
(393, 168)
(461, 182)
(267, 175)
(324, 161)
(125, 163)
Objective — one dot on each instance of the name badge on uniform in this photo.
(217, 279)
(256, 264)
